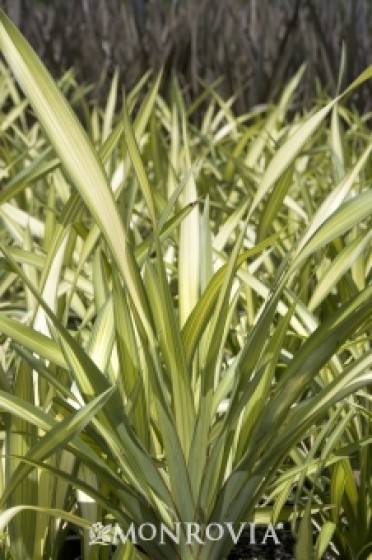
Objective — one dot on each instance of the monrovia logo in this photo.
(189, 532)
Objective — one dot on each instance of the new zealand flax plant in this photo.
(168, 315)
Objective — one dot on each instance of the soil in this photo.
(246, 549)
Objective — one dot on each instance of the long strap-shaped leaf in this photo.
(77, 155)
(134, 503)
(91, 381)
(59, 435)
(294, 144)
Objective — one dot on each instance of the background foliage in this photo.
(254, 45)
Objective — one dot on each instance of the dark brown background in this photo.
(255, 45)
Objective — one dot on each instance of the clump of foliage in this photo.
(185, 315)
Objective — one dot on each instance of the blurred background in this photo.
(253, 47)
